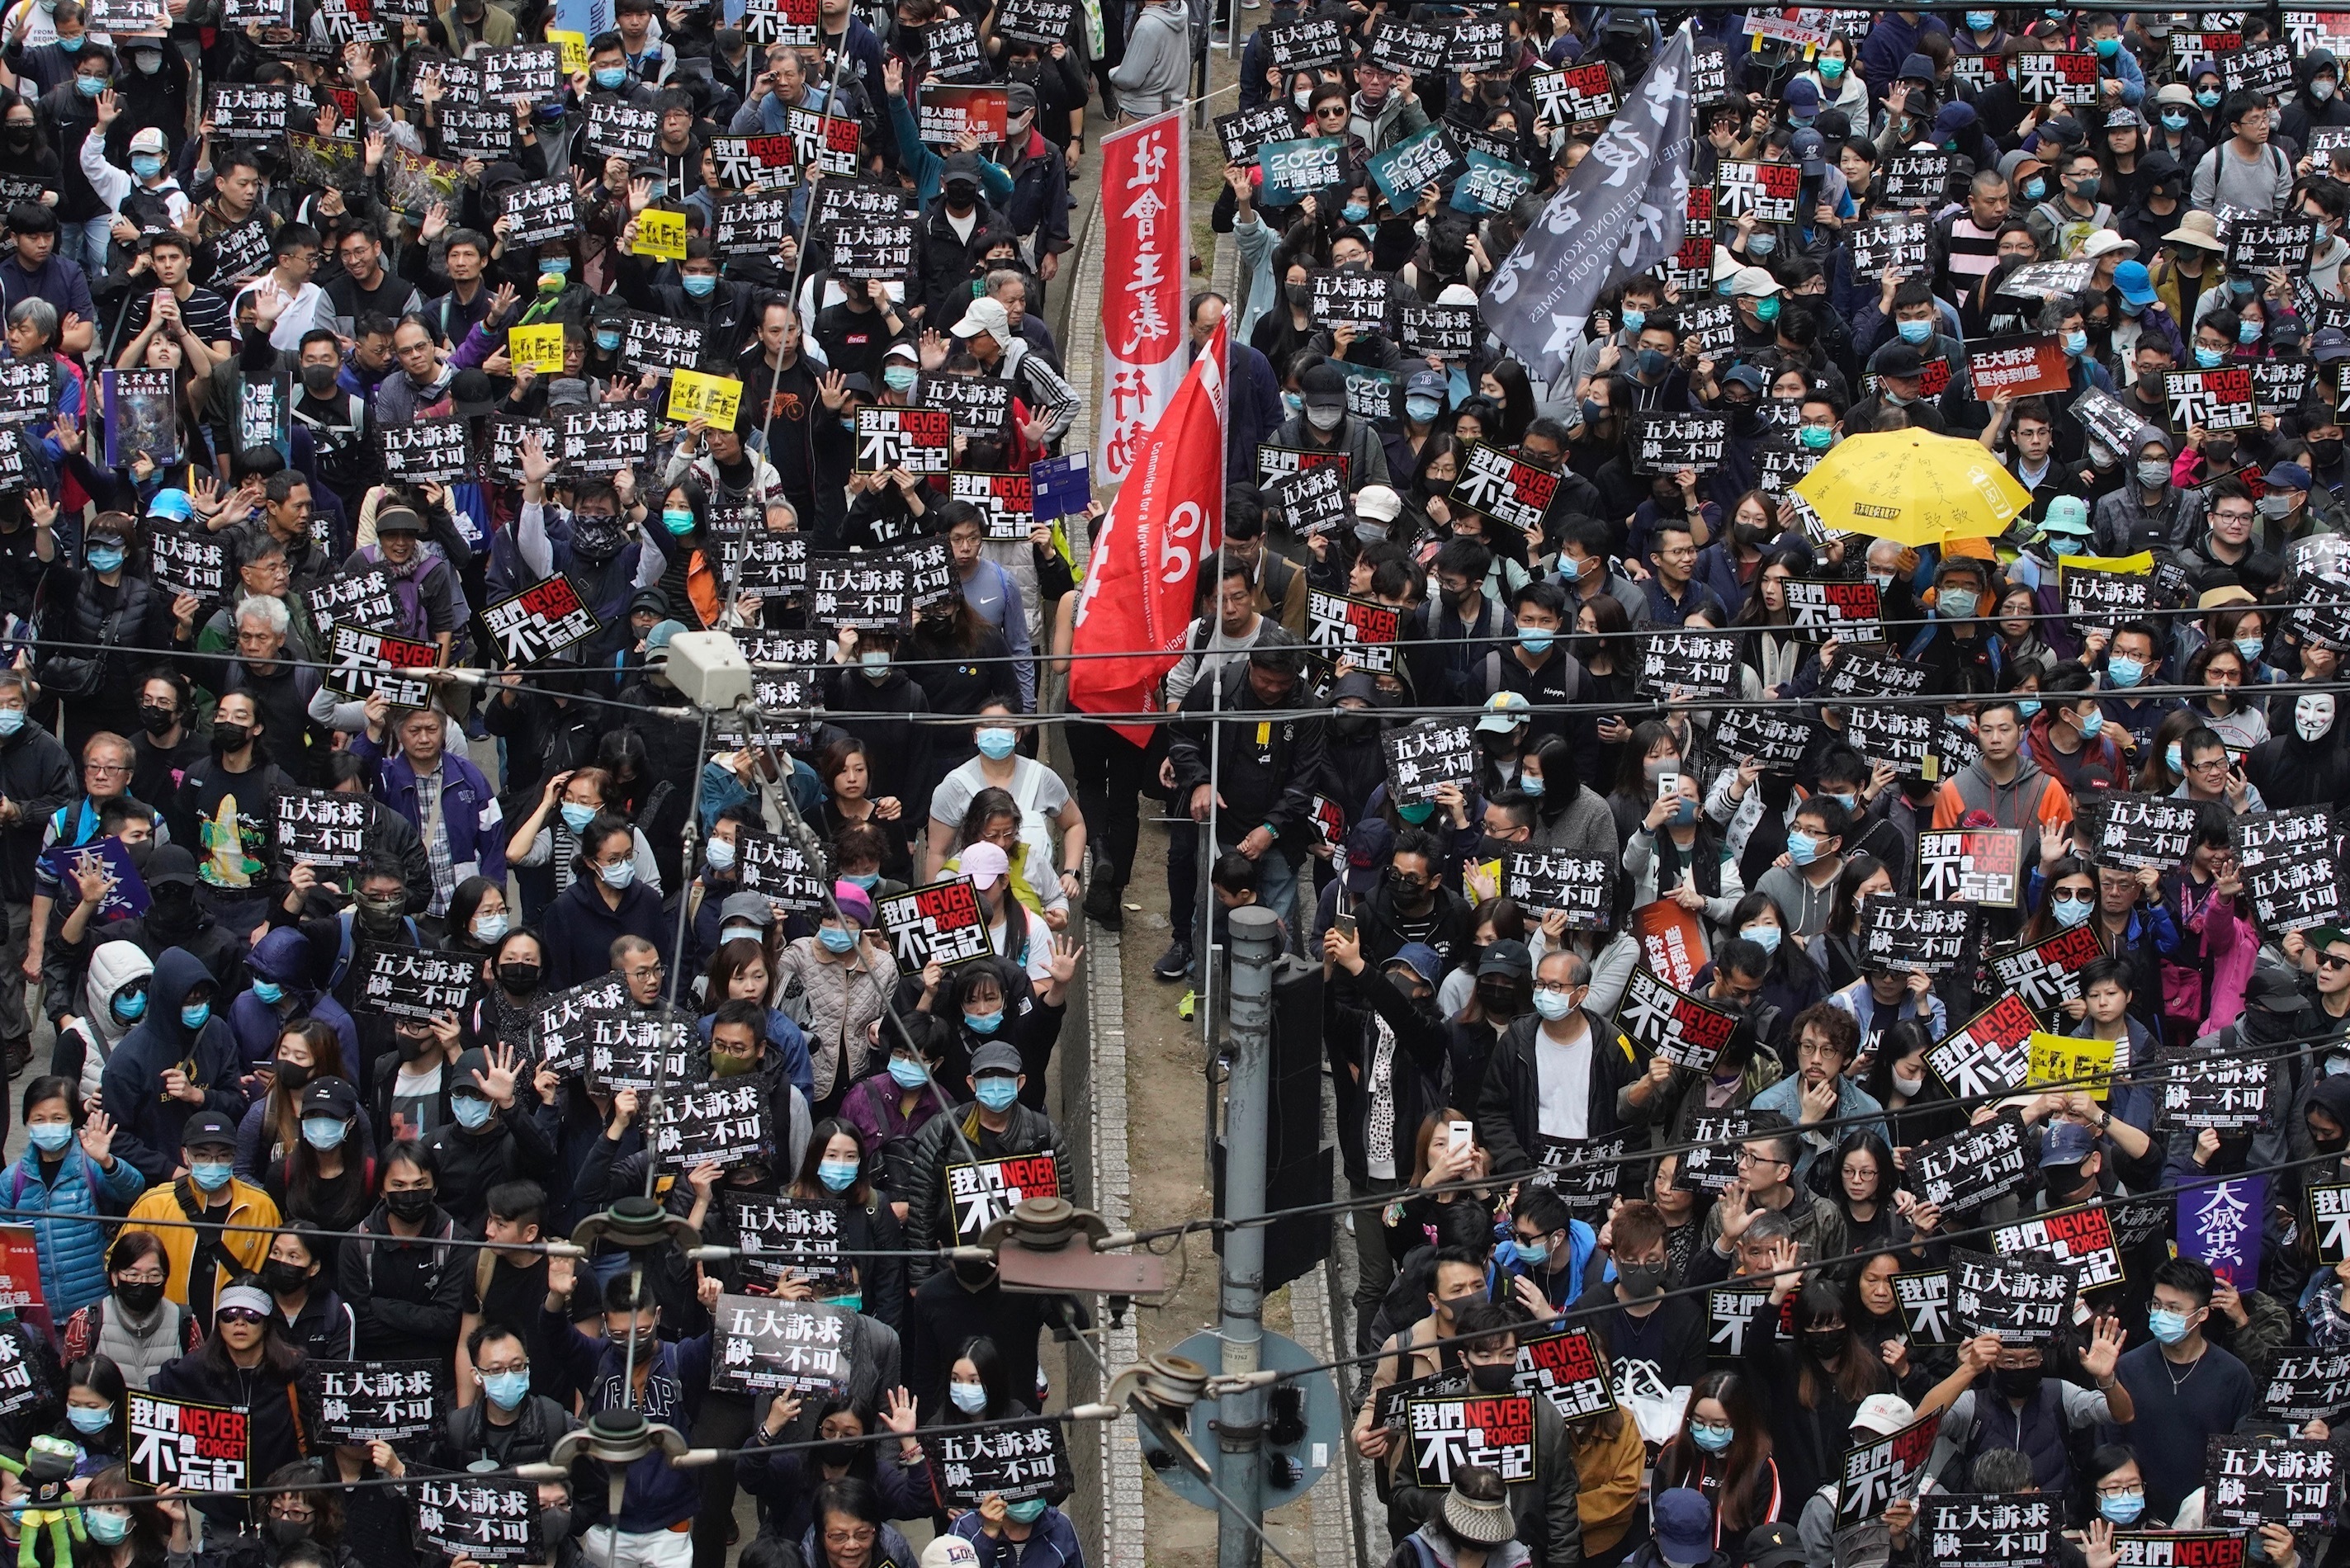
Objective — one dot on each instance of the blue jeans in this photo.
(84, 243)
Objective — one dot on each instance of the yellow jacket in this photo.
(248, 1207)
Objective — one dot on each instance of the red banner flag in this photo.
(1145, 175)
(1145, 569)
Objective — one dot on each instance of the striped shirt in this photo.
(206, 313)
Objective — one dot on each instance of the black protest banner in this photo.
(981, 405)
(1513, 494)
(1373, 394)
(393, 1402)
(1244, 132)
(480, 1518)
(2195, 1090)
(561, 1028)
(2107, 422)
(912, 441)
(1969, 1167)
(1662, 1022)
(1016, 1462)
(2096, 598)
(940, 922)
(322, 828)
(410, 982)
(721, 1124)
(1911, 180)
(523, 73)
(2047, 972)
(1884, 1470)
(2217, 400)
(438, 449)
(1566, 1369)
(2280, 835)
(2145, 830)
(1995, 1530)
(544, 619)
(776, 1236)
(362, 598)
(2179, 1549)
(1777, 740)
(1973, 866)
(2307, 1386)
(1925, 1298)
(1990, 1053)
(187, 563)
(773, 865)
(1847, 611)
(864, 591)
(1896, 242)
(1689, 664)
(1446, 331)
(1345, 298)
(1667, 443)
(2081, 1239)
(184, 1443)
(2249, 1481)
(1712, 1163)
(1914, 933)
(660, 343)
(367, 662)
(619, 130)
(2024, 1301)
(539, 212)
(1422, 758)
(983, 1192)
(1581, 885)
(1494, 1432)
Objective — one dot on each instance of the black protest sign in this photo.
(1884, 1470)
(2145, 830)
(1730, 1315)
(1582, 1172)
(238, 252)
(1400, 47)
(16, 468)
(771, 865)
(756, 164)
(1988, 1529)
(1479, 44)
(1422, 758)
(659, 343)
(2329, 1220)
(1689, 664)
(1913, 933)
(792, 22)
(2319, 608)
(473, 132)
(2281, 384)
(1901, 738)
(981, 1193)
(2047, 76)
(1777, 740)
(1492, 482)
(2307, 1386)
(1847, 611)
(539, 212)
(1968, 1168)
(1662, 1022)
(2197, 1091)
(362, 598)
(914, 441)
(28, 389)
(1016, 1462)
(953, 40)
(2024, 1301)
(619, 130)
(367, 662)
(760, 562)
(1574, 95)
(2179, 1549)
(322, 828)
(1768, 191)
(2280, 835)
(481, 1518)
(1907, 180)
(251, 111)
(180, 1443)
(2249, 1481)
(1779, 463)
(2217, 400)
(865, 591)
(1582, 886)
(1276, 463)
(390, 1402)
(1567, 1369)
(2262, 68)
(1293, 171)
(1341, 297)
(1974, 865)
(754, 226)
(1373, 394)
(2107, 422)
(1870, 675)
(23, 1385)
(632, 1050)
(2293, 894)
(1709, 72)
(187, 562)
(2080, 1238)
(561, 1028)
(1244, 132)
(438, 449)
(718, 1123)
(1712, 1164)
(845, 203)
(2048, 973)
(544, 619)
(605, 439)
(979, 405)
(1925, 1298)
(928, 565)
(1446, 331)
(828, 141)
(523, 73)
(1494, 1431)
(1045, 22)
(1302, 45)
(1337, 627)
(1426, 158)
(1990, 1053)
(1665, 443)
(2097, 598)
(940, 922)
(414, 984)
(776, 1236)
(1490, 184)
(2258, 246)
(1315, 502)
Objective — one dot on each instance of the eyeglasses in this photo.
(1748, 1157)
(106, 769)
(153, 1278)
(863, 1535)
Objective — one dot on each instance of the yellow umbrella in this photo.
(1913, 487)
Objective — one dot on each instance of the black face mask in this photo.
(1493, 1379)
(157, 720)
(282, 1279)
(596, 539)
(141, 1298)
(2326, 454)
(318, 380)
(230, 737)
(291, 1074)
(411, 1048)
(412, 1204)
(836, 1455)
(1301, 295)
(2018, 1381)
(1353, 726)
(2061, 1181)
(288, 1532)
(555, 1525)
(522, 979)
(20, 137)
(1823, 1343)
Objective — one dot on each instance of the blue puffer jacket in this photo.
(72, 1251)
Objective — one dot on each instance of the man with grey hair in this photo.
(281, 690)
(1008, 285)
(36, 778)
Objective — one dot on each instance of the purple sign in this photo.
(2221, 1225)
(125, 890)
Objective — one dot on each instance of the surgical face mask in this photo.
(105, 557)
(1982, 21)
(2123, 672)
(1530, 783)
(2108, 48)
(89, 87)
(560, 266)
(2274, 507)
(1293, 402)
(1711, 1439)
(1815, 438)
(576, 817)
(836, 940)
(196, 1013)
(1027, 1510)
(2028, 706)
(1910, 1087)
(1354, 211)
(2035, 188)
(2321, 88)
(906, 1072)
(995, 743)
(268, 992)
(1422, 410)
(1766, 309)
(1764, 937)
(1761, 244)
(2076, 343)
(1634, 319)
(211, 1175)
(901, 378)
(135, 1004)
(472, 1111)
(1569, 568)
(1957, 603)
(984, 1023)
(1533, 641)
(1303, 101)
(1531, 1254)
(618, 874)
(700, 285)
(2170, 1327)
(2207, 98)
(2072, 912)
(970, 1398)
(1915, 331)
(2250, 649)
(1830, 70)
(678, 520)
(90, 1421)
(2093, 724)
(506, 1389)
(324, 1132)
(1325, 419)
(2174, 120)
(487, 928)
(874, 662)
(838, 1175)
(610, 77)
(106, 1527)
(2154, 473)
(996, 1092)
(2240, 286)
(72, 45)
(1416, 812)
(146, 165)
(2122, 1510)
(2171, 759)
(50, 1138)
(2247, 331)
(1554, 1006)
(609, 342)
(1802, 847)
(720, 854)
(2313, 715)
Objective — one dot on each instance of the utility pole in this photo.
(1248, 1094)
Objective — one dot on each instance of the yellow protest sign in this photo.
(716, 399)
(2061, 1059)
(575, 49)
(540, 346)
(2135, 565)
(661, 234)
